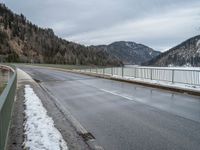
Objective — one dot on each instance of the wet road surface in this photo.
(123, 116)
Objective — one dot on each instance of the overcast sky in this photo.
(159, 24)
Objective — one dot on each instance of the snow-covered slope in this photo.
(185, 54)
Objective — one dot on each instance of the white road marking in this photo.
(117, 94)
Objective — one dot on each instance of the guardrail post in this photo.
(90, 70)
(8, 75)
(151, 73)
(103, 71)
(122, 72)
(96, 71)
(135, 72)
(172, 75)
(112, 71)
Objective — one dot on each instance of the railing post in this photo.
(172, 75)
(103, 71)
(9, 74)
(151, 73)
(96, 71)
(135, 72)
(122, 71)
(112, 71)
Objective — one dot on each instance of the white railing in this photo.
(173, 75)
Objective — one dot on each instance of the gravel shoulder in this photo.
(16, 135)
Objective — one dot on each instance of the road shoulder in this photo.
(16, 135)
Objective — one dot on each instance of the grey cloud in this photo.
(98, 22)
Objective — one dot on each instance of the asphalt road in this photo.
(124, 116)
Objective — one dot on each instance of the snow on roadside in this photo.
(40, 133)
(170, 84)
(164, 83)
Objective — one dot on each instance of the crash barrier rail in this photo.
(6, 103)
(173, 75)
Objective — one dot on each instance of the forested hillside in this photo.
(130, 52)
(185, 54)
(22, 41)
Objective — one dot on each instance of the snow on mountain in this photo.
(188, 52)
(130, 52)
(198, 46)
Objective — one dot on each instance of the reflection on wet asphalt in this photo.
(126, 116)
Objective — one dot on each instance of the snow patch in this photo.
(165, 83)
(198, 43)
(171, 65)
(187, 65)
(130, 45)
(40, 133)
(198, 46)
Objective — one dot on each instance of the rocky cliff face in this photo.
(22, 41)
(184, 54)
(130, 52)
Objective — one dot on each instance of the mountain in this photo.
(185, 54)
(22, 41)
(129, 52)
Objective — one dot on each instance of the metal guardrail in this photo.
(4, 77)
(6, 105)
(173, 75)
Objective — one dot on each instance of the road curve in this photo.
(123, 116)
